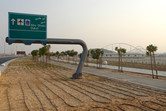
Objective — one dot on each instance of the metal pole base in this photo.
(76, 76)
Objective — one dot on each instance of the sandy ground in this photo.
(26, 85)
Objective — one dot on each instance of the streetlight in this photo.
(4, 45)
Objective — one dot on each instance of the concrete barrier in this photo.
(4, 65)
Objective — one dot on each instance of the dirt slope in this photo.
(26, 85)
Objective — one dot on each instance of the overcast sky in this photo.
(97, 22)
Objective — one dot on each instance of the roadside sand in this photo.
(27, 85)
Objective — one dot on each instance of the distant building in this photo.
(113, 54)
(21, 53)
(127, 55)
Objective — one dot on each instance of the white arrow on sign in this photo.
(13, 20)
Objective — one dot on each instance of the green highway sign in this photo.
(30, 27)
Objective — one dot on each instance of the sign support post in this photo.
(32, 28)
(78, 72)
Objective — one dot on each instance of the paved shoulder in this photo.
(152, 83)
(4, 62)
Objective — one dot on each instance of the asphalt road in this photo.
(5, 59)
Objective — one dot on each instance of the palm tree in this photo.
(96, 54)
(63, 54)
(150, 51)
(67, 53)
(123, 51)
(87, 58)
(120, 51)
(34, 54)
(47, 51)
(154, 50)
(73, 54)
(93, 54)
(41, 52)
(101, 61)
(57, 54)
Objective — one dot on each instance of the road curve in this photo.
(5, 59)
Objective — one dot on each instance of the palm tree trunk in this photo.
(73, 59)
(97, 62)
(151, 65)
(101, 61)
(155, 66)
(46, 58)
(87, 61)
(119, 63)
(43, 58)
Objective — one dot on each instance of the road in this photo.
(5, 59)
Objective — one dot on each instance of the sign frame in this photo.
(36, 30)
(27, 41)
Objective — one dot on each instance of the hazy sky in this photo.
(97, 22)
